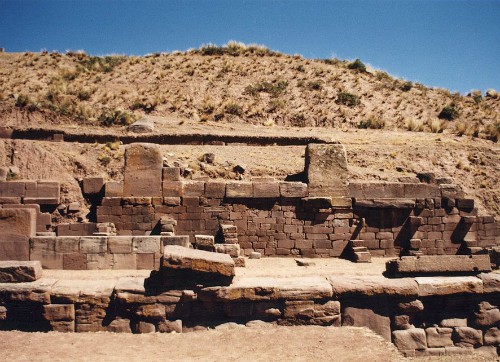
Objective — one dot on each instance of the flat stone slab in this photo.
(20, 271)
(345, 285)
(268, 288)
(435, 264)
(37, 291)
(448, 285)
(491, 282)
(180, 258)
(83, 291)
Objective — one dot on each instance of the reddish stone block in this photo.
(215, 189)
(266, 190)
(171, 173)
(172, 188)
(74, 261)
(193, 188)
(113, 189)
(92, 185)
(239, 189)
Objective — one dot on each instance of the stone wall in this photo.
(421, 316)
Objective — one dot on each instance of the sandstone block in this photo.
(168, 326)
(62, 326)
(266, 189)
(439, 337)
(74, 261)
(177, 257)
(492, 337)
(239, 189)
(20, 271)
(143, 170)
(18, 221)
(144, 327)
(14, 247)
(93, 185)
(93, 244)
(171, 174)
(193, 188)
(293, 189)
(487, 315)
(453, 322)
(120, 244)
(254, 255)
(204, 242)
(467, 337)
(180, 240)
(428, 286)
(113, 189)
(326, 169)
(59, 312)
(119, 326)
(146, 244)
(232, 250)
(410, 339)
(172, 188)
(367, 317)
(435, 264)
(216, 190)
(491, 282)
(299, 309)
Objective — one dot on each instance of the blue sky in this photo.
(441, 43)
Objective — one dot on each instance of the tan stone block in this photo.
(241, 189)
(120, 244)
(18, 221)
(59, 312)
(143, 170)
(124, 261)
(146, 244)
(266, 189)
(113, 189)
(14, 247)
(20, 271)
(93, 185)
(93, 244)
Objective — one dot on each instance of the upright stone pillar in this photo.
(143, 170)
(326, 170)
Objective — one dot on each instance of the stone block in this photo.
(145, 261)
(439, 337)
(453, 322)
(120, 244)
(62, 326)
(119, 326)
(93, 185)
(236, 189)
(428, 286)
(232, 250)
(293, 189)
(20, 271)
(18, 221)
(172, 188)
(216, 190)
(67, 244)
(266, 189)
(93, 244)
(14, 247)
(146, 244)
(177, 257)
(74, 261)
(144, 327)
(492, 337)
(467, 337)
(410, 339)
(326, 169)
(487, 315)
(99, 261)
(171, 173)
(168, 326)
(367, 317)
(180, 240)
(193, 188)
(299, 309)
(204, 242)
(113, 189)
(124, 261)
(436, 264)
(59, 312)
(143, 170)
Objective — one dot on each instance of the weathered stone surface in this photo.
(37, 291)
(14, 247)
(204, 242)
(93, 185)
(151, 311)
(467, 337)
(18, 221)
(448, 285)
(168, 326)
(83, 291)
(327, 314)
(146, 244)
(178, 257)
(144, 125)
(120, 244)
(62, 326)
(410, 339)
(326, 170)
(367, 317)
(144, 327)
(492, 337)
(491, 282)
(143, 170)
(293, 189)
(453, 322)
(385, 203)
(93, 244)
(372, 285)
(239, 189)
(411, 306)
(435, 264)
(266, 288)
(266, 189)
(119, 325)
(487, 315)
(59, 312)
(439, 337)
(113, 189)
(179, 240)
(299, 309)
(233, 250)
(20, 271)
(402, 322)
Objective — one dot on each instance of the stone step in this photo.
(362, 257)
(360, 249)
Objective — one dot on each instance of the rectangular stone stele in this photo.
(143, 170)
(439, 264)
(180, 258)
(20, 271)
(326, 170)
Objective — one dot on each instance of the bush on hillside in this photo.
(348, 99)
(449, 112)
(357, 65)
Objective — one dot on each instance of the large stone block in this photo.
(410, 339)
(113, 189)
(326, 169)
(143, 170)
(93, 244)
(266, 189)
(436, 264)
(439, 337)
(20, 271)
(239, 189)
(146, 244)
(365, 316)
(178, 257)
(18, 221)
(293, 189)
(428, 286)
(59, 312)
(14, 247)
(93, 185)
(467, 337)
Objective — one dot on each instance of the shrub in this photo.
(414, 125)
(406, 86)
(357, 65)
(437, 126)
(84, 94)
(372, 122)
(104, 64)
(348, 99)
(22, 100)
(492, 131)
(233, 108)
(314, 85)
(147, 105)
(460, 128)
(273, 88)
(449, 112)
(115, 118)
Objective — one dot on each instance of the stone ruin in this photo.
(438, 295)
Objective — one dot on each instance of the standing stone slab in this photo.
(20, 271)
(326, 169)
(359, 316)
(143, 170)
(14, 247)
(18, 221)
(178, 257)
(410, 339)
